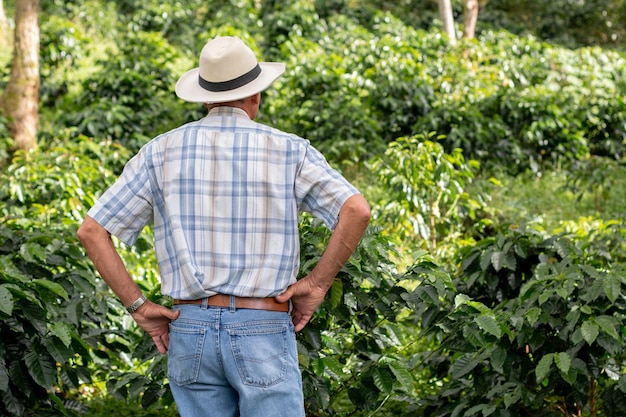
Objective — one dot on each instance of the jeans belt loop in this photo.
(233, 307)
(205, 303)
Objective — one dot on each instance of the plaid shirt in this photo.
(223, 194)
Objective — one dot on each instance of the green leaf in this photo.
(58, 350)
(475, 409)
(333, 367)
(526, 287)
(460, 408)
(497, 260)
(403, 376)
(151, 396)
(483, 309)
(563, 361)
(590, 331)
(41, 368)
(4, 377)
(473, 335)
(595, 290)
(612, 287)
(463, 365)
(13, 404)
(336, 293)
(6, 300)
(577, 336)
(532, 315)
(36, 316)
(8, 270)
(489, 324)
(383, 380)
(460, 299)
(430, 291)
(545, 296)
(543, 367)
(497, 359)
(485, 260)
(512, 396)
(62, 331)
(608, 325)
(52, 286)
(33, 252)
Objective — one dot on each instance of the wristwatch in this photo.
(136, 304)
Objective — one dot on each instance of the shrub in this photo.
(60, 326)
(426, 203)
(130, 100)
(531, 326)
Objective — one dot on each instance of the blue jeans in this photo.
(226, 362)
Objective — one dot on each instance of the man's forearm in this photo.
(100, 249)
(353, 220)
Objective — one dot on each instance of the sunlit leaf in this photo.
(563, 362)
(336, 293)
(6, 300)
(52, 286)
(608, 325)
(590, 331)
(612, 286)
(403, 376)
(62, 331)
(543, 367)
(489, 324)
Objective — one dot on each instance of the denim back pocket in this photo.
(185, 352)
(260, 351)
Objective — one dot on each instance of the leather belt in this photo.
(223, 300)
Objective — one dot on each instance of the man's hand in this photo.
(155, 320)
(306, 298)
(308, 293)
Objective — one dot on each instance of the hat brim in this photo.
(188, 89)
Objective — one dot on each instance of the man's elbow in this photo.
(89, 231)
(359, 210)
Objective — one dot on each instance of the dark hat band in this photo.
(230, 84)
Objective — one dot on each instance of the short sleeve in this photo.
(126, 207)
(320, 189)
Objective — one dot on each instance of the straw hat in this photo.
(228, 71)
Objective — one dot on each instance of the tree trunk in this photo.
(20, 101)
(445, 10)
(470, 17)
(4, 27)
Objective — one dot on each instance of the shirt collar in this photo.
(228, 111)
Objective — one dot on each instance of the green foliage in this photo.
(6, 143)
(531, 326)
(426, 191)
(62, 44)
(354, 344)
(338, 125)
(109, 406)
(517, 101)
(52, 314)
(571, 23)
(128, 99)
(60, 327)
(175, 23)
(595, 176)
